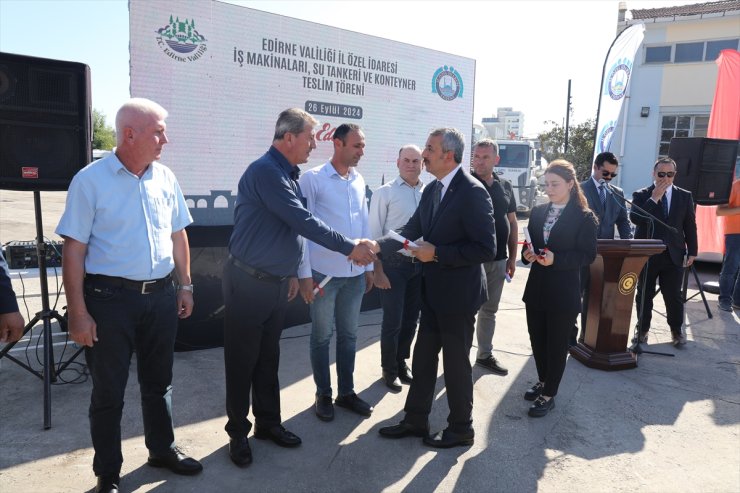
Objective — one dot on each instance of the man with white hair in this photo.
(125, 250)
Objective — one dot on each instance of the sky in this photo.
(525, 50)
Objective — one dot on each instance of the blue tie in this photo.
(664, 201)
(602, 196)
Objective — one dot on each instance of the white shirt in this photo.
(666, 196)
(447, 179)
(392, 205)
(339, 202)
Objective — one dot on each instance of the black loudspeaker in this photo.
(706, 167)
(45, 122)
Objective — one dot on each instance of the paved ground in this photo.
(672, 424)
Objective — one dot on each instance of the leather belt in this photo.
(143, 287)
(257, 274)
(399, 257)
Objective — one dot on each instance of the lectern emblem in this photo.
(627, 283)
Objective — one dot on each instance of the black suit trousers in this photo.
(254, 319)
(549, 331)
(453, 334)
(670, 278)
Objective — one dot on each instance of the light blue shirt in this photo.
(126, 221)
(340, 203)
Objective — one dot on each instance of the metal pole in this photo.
(567, 120)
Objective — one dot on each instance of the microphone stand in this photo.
(636, 347)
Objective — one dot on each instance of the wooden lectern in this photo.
(610, 300)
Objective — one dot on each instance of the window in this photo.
(681, 126)
(689, 52)
(698, 51)
(714, 47)
(657, 54)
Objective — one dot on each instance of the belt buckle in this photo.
(144, 284)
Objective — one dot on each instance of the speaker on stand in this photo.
(45, 138)
(706, 168)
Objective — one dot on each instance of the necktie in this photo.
(436, 196)
(602, 196)
(664, 201)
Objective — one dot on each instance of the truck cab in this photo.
(520, 164)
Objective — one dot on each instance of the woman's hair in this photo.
(565, 170)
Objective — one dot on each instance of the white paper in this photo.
(321, 284)
(528, 239)
(395, 236)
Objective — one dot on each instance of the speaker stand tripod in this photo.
(692, 269)
(49, 373)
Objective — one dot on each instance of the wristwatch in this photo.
(185, 287)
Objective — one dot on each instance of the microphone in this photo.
(607, 186)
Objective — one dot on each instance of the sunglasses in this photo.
(606, 174)
(669, 174)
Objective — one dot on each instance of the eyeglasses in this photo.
(669, 174)
(606, 174)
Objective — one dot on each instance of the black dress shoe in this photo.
(324, 408)
(107, 483)
(354, 404)
(176, 461)
(239, 451)
(402, 430)
(448, 439)
(391, 381)
(404, 373)
(279, 435)
(541, 407)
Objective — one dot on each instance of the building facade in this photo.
(673, 81)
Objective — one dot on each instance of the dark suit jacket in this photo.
(615, 212)
(681, 215)
(8, 303)
(464, 236)
(573, 242)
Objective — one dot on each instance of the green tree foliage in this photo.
(104, 137)
(580, 145)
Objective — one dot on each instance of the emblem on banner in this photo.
(181, 41)
(618, 78)
(447, 83)
(627, 283)
(604, 141)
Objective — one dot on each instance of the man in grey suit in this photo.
(607, 202)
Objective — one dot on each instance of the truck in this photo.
(521, 164)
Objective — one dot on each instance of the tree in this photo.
(580, 145)
(104, 137)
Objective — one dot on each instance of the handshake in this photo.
(364, 252)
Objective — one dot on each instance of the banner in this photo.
(615, 84)
(724, 123)
(225, 72)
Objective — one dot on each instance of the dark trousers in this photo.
(130, 322)
(548, 332)
(401, 305)
(670, 278)
(453, 334)
(254, 319)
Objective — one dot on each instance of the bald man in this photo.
(126, 270)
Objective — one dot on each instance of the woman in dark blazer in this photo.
(563, 234)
